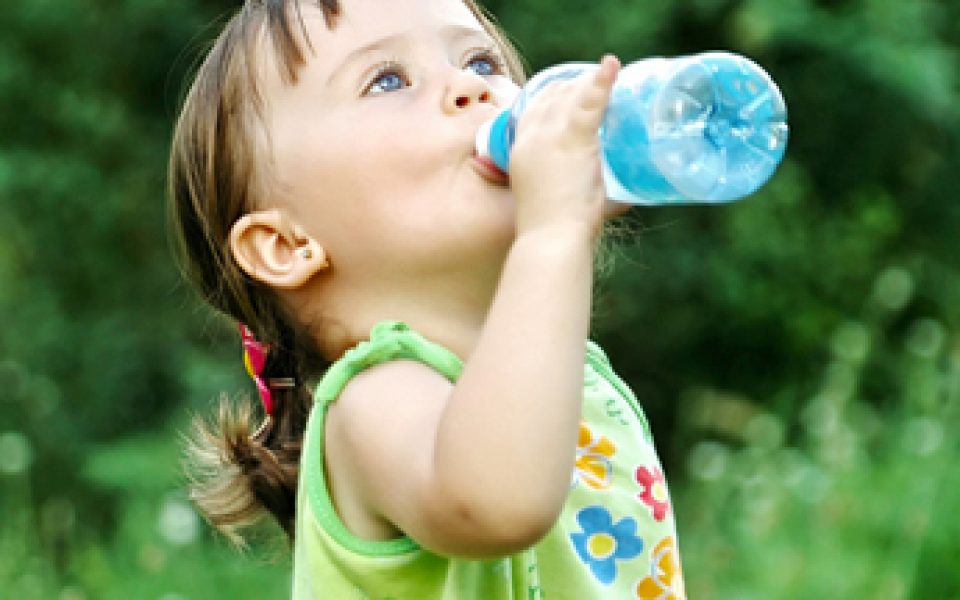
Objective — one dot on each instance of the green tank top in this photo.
(615, 537)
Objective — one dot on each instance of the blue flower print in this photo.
(602, 542)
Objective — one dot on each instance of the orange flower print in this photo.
(654, 492)
(593, 466)
(665, 581)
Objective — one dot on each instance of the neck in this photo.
(448, 314)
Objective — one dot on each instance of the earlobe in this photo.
(270, 248)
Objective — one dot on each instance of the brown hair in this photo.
(219, 170)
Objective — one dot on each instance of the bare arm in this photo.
(483, 467)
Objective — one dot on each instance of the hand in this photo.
(555, 161)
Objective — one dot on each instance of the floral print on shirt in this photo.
(602, 542)
(665, 581)
(654, 493)
(593, 466)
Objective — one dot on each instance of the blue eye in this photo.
(388, 78)
(486, 63)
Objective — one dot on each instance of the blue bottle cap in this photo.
(494, 139)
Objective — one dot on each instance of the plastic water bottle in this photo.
(705, 128)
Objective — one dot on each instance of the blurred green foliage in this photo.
(798, 352)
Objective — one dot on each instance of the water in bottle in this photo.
(705, 128)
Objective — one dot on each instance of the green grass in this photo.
(852, 499)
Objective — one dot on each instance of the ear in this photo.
(272, 249)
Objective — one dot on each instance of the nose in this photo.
(464, 89)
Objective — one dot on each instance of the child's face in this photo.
(374, 145)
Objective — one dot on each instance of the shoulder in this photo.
(382, 425)
(375, 434)
(389, 388)
(384, 398)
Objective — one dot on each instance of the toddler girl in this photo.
(436, 425)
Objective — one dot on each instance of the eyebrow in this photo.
(452, 33)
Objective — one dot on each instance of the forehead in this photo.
(329, 46)
(363, 22)
(325, 44)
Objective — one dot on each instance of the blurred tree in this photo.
(95, 343)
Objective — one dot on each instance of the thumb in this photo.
(596, 93)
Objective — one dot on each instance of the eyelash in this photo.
(382, 69)
(394, 67)
(489, 53)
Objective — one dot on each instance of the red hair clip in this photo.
(254, 359)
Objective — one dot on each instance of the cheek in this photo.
(366, 183)
(380, 165)
(353, 161)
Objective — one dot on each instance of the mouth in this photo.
(488, 170)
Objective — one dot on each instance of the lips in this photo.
(489, 170)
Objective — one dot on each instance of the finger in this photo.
(606, 76)
(596, 93)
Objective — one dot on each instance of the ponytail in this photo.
(238, 475)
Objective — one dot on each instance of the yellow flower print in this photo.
(665, 581)
(593, 466)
